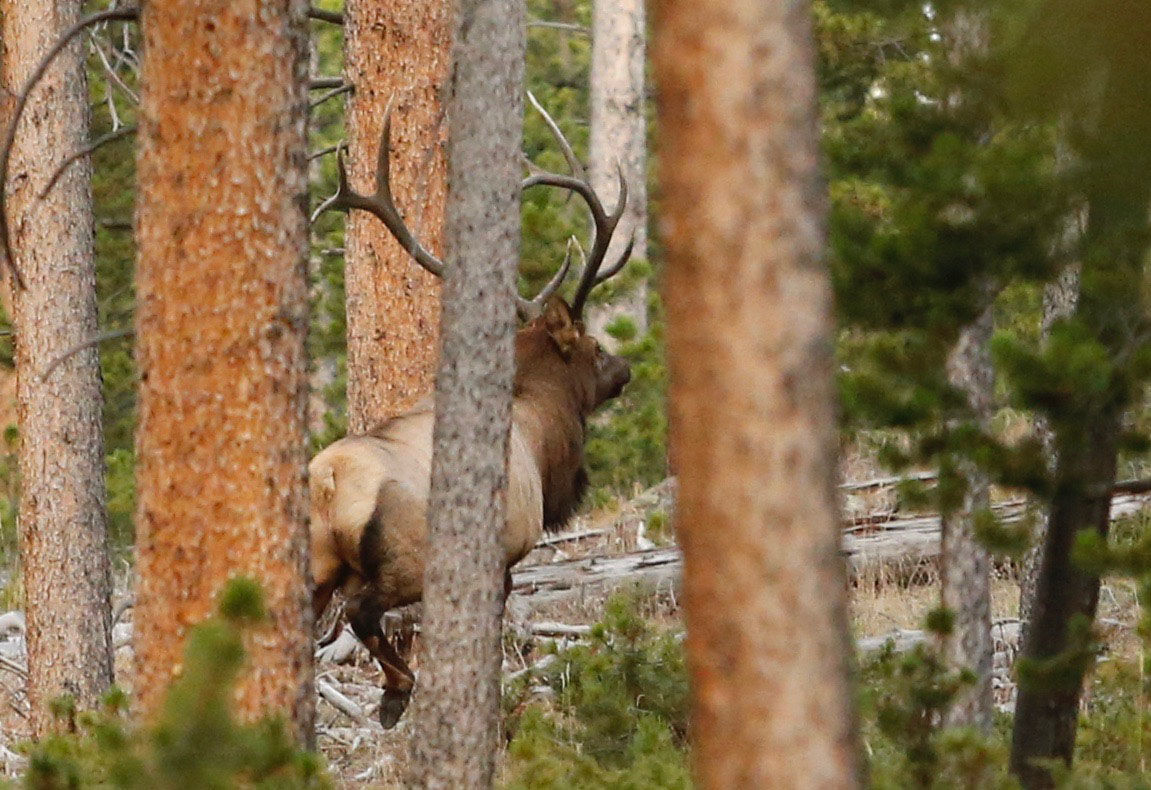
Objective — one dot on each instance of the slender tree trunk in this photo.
(457, 708)
(1046, 714)
(619, 136)
(1059, 299)
(63, 532)
(966, 565)
(396, 50)
(752, 405)
(1086, 437)
(221, 321)
(965, 587)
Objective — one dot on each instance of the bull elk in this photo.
(370, 491)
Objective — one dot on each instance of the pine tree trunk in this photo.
(1087, 436)
(752, 403)
(965, 564)
(1059, 299)
(396, 50)
(457, 704)
(221, 321)
(63, 531)
(619, 138)
(1046, 715)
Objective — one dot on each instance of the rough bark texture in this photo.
(1059, 299)
(752, 407)
(400, 49)
(63, 536)
(1046, 716)
(221, 321)
(619, 138)
(965, 567)
(1087, 431)
(457, 706)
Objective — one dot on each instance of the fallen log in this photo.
(899, 543)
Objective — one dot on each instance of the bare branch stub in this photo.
(341, 89)
(125, 14)
(320, 15)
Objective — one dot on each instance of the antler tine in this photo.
(620, 262)
(530, 308)
(381, 203)
(573, 161)
(604, 228)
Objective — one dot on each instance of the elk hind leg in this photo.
(364, 613)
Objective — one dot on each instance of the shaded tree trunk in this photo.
(619, 137)
(965, 564)
(221, 321)
(752, 403)
(1087, 431)
(63, 530)
(1059, 299)
(457, 706)
(395, 50)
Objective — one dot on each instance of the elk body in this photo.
(370, 492)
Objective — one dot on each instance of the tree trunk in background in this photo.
(63, 532)
(1087, 434)
(400, 49)
(965, 564)
(1059, 299)
(619, 138)
(752, 404)
(457, 703)
(221, 321)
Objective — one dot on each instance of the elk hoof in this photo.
(392, 706)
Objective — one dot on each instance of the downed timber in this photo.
(895, 544)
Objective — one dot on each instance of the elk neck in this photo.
(551, 401)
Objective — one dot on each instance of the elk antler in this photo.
(603, 224)
(383, 206)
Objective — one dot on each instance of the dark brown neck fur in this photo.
(552, 403)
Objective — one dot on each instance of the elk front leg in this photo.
(364, 613)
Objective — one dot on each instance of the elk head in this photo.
(595, 375)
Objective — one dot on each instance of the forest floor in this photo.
(887, 601)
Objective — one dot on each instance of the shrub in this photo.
(196, 740)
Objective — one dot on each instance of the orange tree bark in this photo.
(753, 419)
(457, 704)
(63, 535)
(400, 49)
(221, 319)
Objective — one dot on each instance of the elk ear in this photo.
(557, 319)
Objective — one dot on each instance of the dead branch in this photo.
(320, 83)
(331, 149)
(125, 14)
(559, 630)
(338, 701)
(543, 663)
(320, 15)
(111, 137)
(347, 87)
(1132, 486)
(569, 537)
(567, 27)
(887, 482)
(13, 667)
(95, 340)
